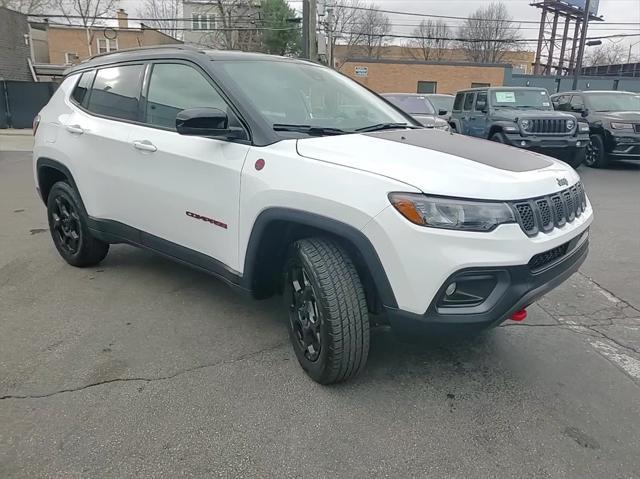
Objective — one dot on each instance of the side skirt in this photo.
(115, 232)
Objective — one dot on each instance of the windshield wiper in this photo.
(310, 130)
(385, 126)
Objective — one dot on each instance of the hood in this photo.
(509, 114)
(430, 121)
(441, 163)
(632, 116)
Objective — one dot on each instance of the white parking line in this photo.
(629, 364)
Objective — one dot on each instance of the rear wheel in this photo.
(596, 155)
(328, 316)
(69, 230)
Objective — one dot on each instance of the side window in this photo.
(563, 103)
(481, 101)
(468, 101)
(116, 92)
(576, 103)
(457, 104)
(174, 87)
(80, 92)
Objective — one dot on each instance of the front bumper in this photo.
(516, 288)
(624, 145)
(547, 142)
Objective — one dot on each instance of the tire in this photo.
(328, 317)
(574, 159)
(596, 155)
(69, 230)
(499, 138)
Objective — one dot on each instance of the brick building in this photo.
(69, 44)
(412, 76)
(14, 46)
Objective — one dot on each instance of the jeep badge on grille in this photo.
(562, 182)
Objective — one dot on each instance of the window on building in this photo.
(79, 94)
(202, 21)
(106, 45)
(468, 101)
(427, 86)
(116, 92)
(480, 85)
(175, 87)
(71, 58)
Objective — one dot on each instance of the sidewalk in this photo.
(16, 140)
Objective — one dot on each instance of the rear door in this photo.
(187, 188)
(467, 113)
(478, 117)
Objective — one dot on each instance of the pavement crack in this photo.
(622, 301)
(145, 379)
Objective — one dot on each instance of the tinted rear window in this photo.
(79, 94)
(116, 92)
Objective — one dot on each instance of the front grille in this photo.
(542, 260)
(553, 211)
(548, 127)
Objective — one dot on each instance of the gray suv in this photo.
(521, 117)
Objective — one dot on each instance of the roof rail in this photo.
(176, 46)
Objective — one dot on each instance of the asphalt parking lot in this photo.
(141, 367)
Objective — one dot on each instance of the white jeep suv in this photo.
(282, 176)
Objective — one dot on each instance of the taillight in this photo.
(36, 123)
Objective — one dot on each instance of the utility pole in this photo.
(330, 37)
(583, 41)
(312, 36)
(305, 29)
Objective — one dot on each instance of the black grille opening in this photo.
(542, 260)
(548, 126)
(526, 218)
(547, 212)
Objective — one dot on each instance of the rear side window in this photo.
(457, 104)
(80, 93)
(468, 101)
(116, 92)
(174, 87)
(481, 101)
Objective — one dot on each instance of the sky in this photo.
(612, 11)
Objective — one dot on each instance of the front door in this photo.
(187, 187)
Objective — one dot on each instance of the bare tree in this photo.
(488, 34)
(431, 42)
(369, 29)
(27, 6)
(235, 24)
(163, 15)
(606, 54)
(87, 13)
(344, 16)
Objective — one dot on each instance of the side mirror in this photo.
(442, 112)
(585, 113)
(211, 122)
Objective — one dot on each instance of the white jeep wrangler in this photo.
(282, 176)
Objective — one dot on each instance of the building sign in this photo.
(362, 71)
(593, 6)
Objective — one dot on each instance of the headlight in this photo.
(584, 127)
(621, 126)
(525, 124)
(571, 125)
(441, 125)
(451, 213)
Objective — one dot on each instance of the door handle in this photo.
(144, 145)
(76, 129)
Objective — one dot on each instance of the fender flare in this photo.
(56, 165)
(330, 225)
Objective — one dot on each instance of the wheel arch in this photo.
(275, 229)
(493, 129)
(50, 172)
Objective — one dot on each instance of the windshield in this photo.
(442, 102)
(538, 99)
(613, 101)
(293, 93)
(414, 104)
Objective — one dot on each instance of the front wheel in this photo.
(596, 156)
(328, 316)
(499, 138)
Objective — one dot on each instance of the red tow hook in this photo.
(519, 315)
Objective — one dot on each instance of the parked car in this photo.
(521, 117)
(614, 123)
(245, 166)
(419, 108)
(443, 104)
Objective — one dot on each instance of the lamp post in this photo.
(630, 47)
